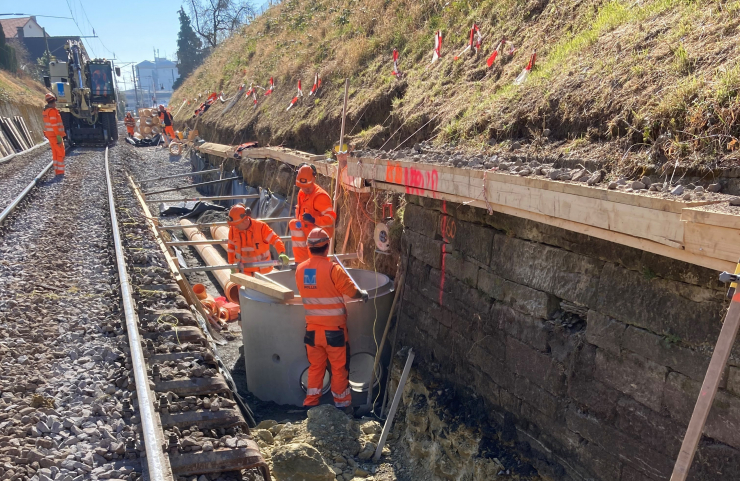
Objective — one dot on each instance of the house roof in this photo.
(161, 63)
(10, 25)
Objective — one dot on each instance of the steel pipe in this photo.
(173, 189)
(6, 212)
(158, 464)
(221, 242)
(211, 224)
(205, 199)
(178, 176)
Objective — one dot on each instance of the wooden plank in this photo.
(720, 219)
(292, 157)
(616, 237)
(720, 242)
(219, 150)
(25, 127)
(265, 287)
(421, 177)
(708, 390)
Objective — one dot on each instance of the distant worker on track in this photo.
(130, 123)
(314, 209)
(250, 241)
(54, 131)
(321, 283)
(166, 117)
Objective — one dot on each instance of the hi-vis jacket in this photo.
(253, 245)
(321, 283)
(319, 205)
(53, 125)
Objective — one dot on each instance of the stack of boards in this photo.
(149, 123)
(14, 136)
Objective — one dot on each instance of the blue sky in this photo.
(130, 29)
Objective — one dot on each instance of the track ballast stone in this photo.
(17, 173)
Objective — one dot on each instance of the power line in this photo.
(78, 25)
(93, 28)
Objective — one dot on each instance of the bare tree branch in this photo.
(216, 20)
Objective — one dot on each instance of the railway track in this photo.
(106, 371)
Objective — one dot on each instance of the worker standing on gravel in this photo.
(314, 209)
(54, 131)
(321, 283)
(250, 241)
(166, 117)
(130, 123)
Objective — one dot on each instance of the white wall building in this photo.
(21, 27)
(158, 75)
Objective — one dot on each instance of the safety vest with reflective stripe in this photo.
(319, 205)
(322, 301)
(253, 245)
(53, 125)
(129, 121)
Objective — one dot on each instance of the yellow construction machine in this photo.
(86, 96)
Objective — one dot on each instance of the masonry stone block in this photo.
(427, 250)
(535, 366)
(534, 395)
(486, 387)
(714, 461)
(530, 330)
(463, 299)
(633, 375)
(472, 240)
(660, 433)
(658, 349)
(593, 396)
(723, 423)
(421, 221)
(461, 269)
(733, 380)
(628, 450)
(522, 298)
(599, 460)
(661, 306)
(605, 332)
(567, 275)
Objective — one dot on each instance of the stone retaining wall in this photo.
(593, 351)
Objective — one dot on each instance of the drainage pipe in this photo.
(210, 256)
(158, 465)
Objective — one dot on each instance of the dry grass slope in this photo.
(621, 82)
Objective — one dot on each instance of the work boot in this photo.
(349, 411)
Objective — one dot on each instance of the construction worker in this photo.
(250, 241)
(54, 131)
(314, 209)
(321, 283)
(130, 123)
(166, 117)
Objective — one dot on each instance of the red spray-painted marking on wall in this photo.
(416, 181)
(444, 243)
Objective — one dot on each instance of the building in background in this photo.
(158, 75)
(21, 27)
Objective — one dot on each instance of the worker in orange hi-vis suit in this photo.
(54, 131)
(250, 241)
(321, 283)
(314, 209)
(130, 123)
(166, 117)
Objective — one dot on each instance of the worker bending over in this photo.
(321, 284)
(54, 131)
(250, 241)
(314, 209)
(166, 117)
(130, 123)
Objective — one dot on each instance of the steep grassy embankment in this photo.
(24, 97)
(622, 82)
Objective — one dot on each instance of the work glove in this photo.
(365, 295)
(284, 259)
(59, 139)
(309, 218)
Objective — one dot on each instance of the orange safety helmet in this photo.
(50, 97)
(318, 238)
(306, 176)
(238, 213)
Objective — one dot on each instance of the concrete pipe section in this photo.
(273, 331)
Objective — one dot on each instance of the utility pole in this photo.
(136, 92)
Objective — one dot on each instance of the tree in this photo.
(215, 20)
(8, 60)
(189, 49)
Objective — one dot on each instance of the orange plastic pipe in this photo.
(220, 232)
(211, 257)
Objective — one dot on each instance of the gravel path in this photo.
(16, 174)
(62, 409)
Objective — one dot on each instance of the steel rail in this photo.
(157, 463)
(205, 199)
(13, 156)
(179, 175)
(183, 187)
(266, 220)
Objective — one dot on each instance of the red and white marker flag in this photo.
(437, 46)
(496, 52)
(395, 72)
(270, 88)
(295, 99)
(316, 84)
(523, 76)
(474, 42)
(253, 92)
